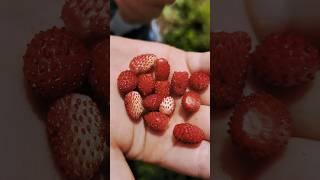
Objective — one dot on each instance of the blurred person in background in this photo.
(135, 18)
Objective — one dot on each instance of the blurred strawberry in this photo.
(55, 63)
(89, 20)
(230, 63)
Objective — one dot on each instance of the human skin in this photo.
(141, 11)
(132, 140)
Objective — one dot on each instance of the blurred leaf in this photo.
(186, 25)
(144, 171)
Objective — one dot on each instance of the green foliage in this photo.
(186, 25)
(143, 171)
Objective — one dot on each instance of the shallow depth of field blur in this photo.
(185, 25)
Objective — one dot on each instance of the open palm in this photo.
(133, 140)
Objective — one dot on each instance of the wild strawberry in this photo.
(156, 121)
(133, 104)
(199, 81)
(191, 101)
(286, 59)
(167, 106)
(142, 63)
(162, 69)
(179, 83)
(76, 133)
(89, 20)
(162, 88)
(146, 84)
(152, 102)
(55, 63)
(230, 65)
(127, 81)
(188, 133)
(261, 126)
(100, 70)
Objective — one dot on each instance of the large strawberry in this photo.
(77, 136)
(55, 63)
(99, 75)
(261, 126)
(286, 59)
(89, 20)
(230, 63)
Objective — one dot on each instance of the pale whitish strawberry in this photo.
(142, 63)
(167, 106)
(133, 103)
(76, 133)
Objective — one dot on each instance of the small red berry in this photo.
(142, 63)
(162, 69)
(162, 88)
(127, 81)
(179, 83)
(152, 102)
(156, 121)
(146, 84)
(199, 81)
(188, 133)
(167, 105)
(191, 101)
(134, 106)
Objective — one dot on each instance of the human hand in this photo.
(132, 140)
(141, 11)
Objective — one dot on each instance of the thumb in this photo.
(119, 168)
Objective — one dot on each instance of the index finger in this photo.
(198, 61)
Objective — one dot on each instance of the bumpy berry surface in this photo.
(285, 59)
(188, 133)
(162, 69)
(100, 70)
(89, 20)
(167, 105)
(127, 81)
(152, 102)
(162, 88)
(76, 133)
(146, 84)
(260, 125)
(179, 83)
(230, 64)
(142, 63)
(156, 121)
(56, 63)
(191, 101)
(199, 81)
(133, 103)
